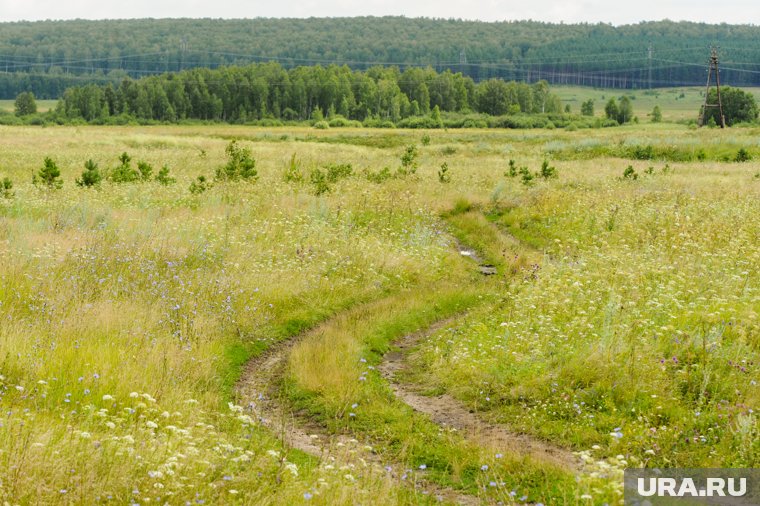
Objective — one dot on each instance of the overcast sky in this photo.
(568, 11)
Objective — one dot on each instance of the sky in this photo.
(567, 11)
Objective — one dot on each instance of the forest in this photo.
(47, 57)
(267, 91)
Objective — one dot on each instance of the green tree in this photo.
(611, 110)
(738, 106)
(90, 176)
(656, 114)
(25, 104)
(49, 176)
(625, 110)
(587, 107)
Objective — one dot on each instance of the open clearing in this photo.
(315, 334)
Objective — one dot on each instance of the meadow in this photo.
(162, 345)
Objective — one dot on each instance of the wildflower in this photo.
(19, 388)
(108, 397)
(586, 496)
(423, 466)
(484, 467)
(307, 496)
(499, 455)
(151, 424)
(134, 395)
(85, 435)
(292, 468)
(233, 491)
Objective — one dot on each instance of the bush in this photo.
(380, 176)
(240, 164)
(90, 176)
(742, 156)
(409, 163)
(630, 173)
(200, 185)
(146, 171)
(512, 170)
(164, 178)
(6, 188)
(319, 180)
(548, 171)
(124, 173)
(526, 177)
(321, 125)
(338, 171)
(443, 173)
(49, 176)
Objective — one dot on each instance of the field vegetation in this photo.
(142, 268)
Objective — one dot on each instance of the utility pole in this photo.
(719, 105)
(650, 50)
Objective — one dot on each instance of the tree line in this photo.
(269, 91)
(46, 57)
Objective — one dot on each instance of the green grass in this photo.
(42, 105)
(676, 103)
(129, 310)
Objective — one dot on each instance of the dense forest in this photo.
(49, 56)
(269, 91)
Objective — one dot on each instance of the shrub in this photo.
(200, 185)
(48, 176)
(443, 173)
(380, 176)
(6, 188)
(512, 170)
(164, 178)
(742, 156)
(124, 173)
(321, 125)
(240, 164)
(548, 171)
(146, 171)
(426, 140)
(630, 173)
(90, 176)
(338, 171)
(409, 163)
(319, 180)
(526, 177)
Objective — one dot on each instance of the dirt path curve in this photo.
(447, 411)
(258, 392)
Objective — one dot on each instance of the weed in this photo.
(293, 172)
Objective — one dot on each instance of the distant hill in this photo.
(48, 56)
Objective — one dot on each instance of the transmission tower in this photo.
(719, 105)
(650, 50)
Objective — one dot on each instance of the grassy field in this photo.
(676, 103)
(42, 105)
(622, 323)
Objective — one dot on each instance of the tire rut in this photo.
(258, 392)
(449, 412)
